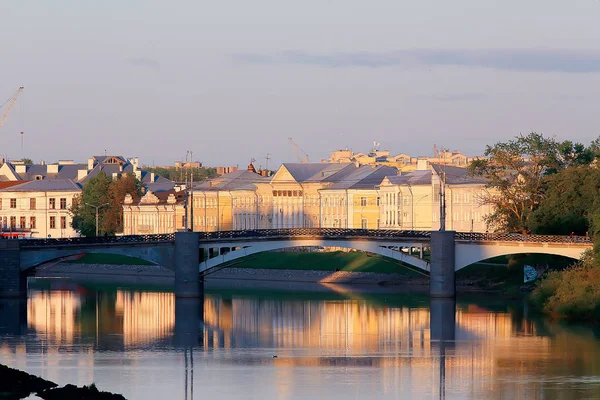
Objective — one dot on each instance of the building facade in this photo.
(38, 209)
(340, 195)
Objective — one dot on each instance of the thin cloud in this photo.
(452, 97)
(543, 60)
(144, 62)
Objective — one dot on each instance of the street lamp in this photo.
(96, 207)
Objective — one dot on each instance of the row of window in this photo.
(287, 193)
(33, 203)
(11, 223)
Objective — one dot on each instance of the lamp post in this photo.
(97, 208)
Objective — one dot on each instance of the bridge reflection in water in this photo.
(434, 344)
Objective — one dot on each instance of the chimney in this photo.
(81, 173)
(151, 176)
(52, 168)
(422, 164)
(138, 174)
(90, 164)
(21, 168)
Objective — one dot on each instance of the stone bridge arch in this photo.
(160, 253)
(471, 253)
(391, 249)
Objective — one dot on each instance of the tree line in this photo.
(540, 185)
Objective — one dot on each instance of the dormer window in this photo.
(38, 177)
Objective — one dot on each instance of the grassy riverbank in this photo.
(572, 293)
(333, 261)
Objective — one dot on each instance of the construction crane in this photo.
(9, 103)
(301, 154)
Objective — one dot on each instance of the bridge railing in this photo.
(315, 232)
(520, 237)
(166, 237)
(330, 233)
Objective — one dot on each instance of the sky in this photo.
(233, 80)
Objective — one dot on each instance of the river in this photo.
(337, 342)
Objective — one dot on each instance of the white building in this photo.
(39, 209)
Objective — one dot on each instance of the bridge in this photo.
(194, 254)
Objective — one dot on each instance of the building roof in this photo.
(364, 177)
(68, 171)
(7, 184)
(317, 172)
(411, 178)
(236, 180)
(157, 198)
(457, 175)
(54, 185)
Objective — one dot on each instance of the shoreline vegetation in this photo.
(16, 384)
(541, 185)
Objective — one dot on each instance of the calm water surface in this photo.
(333, 344)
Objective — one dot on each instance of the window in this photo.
(22, 222)
(378, 201)
(13, 222)
(32, 203)
(63, 222)
(363, 201)
(52, 222)
(364, 224)
(52, 203)
(13, 203)
(63, 203)
(0, 204)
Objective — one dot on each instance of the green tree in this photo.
(107, 194)
(516, 171)
(569, 203)
(119, 188)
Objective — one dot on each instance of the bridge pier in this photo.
(441, 275)
(187, 259)
(13, 282)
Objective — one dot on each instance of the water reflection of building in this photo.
(67, 317)
(335, 325)
(146, 316)
(55, 314)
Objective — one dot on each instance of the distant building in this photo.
(318, 195)
(188, 164)
(402, 161)
(38, 208)
(112, 166)
(154, 213)
(225, 170)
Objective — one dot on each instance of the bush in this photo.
(571, 293)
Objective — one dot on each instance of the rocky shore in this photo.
(15, 384)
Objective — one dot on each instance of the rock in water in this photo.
(72, 392)
(15, 384)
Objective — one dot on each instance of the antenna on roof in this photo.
(267, 158)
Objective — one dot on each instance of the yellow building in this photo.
(292, 197)
(406, 201)
(352, 202)
(229, 202)
(154, 213)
